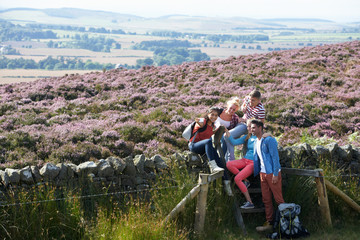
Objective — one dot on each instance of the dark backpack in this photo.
(287, 223)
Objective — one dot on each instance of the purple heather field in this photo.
(313, 91)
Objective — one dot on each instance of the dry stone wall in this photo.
(139, 172)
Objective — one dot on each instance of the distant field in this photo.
(37, 50)
(25, 75)
(317, 37)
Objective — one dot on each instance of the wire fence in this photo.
(6, 204)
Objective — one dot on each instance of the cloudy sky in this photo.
(336, 10)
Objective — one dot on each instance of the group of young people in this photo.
(260, 154)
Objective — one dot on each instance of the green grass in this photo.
(129, 216)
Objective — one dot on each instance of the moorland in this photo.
(307, 71)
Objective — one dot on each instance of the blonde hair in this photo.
(235, 101)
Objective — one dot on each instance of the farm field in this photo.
(8, 76)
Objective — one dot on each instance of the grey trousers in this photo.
(228, 148)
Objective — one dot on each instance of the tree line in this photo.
(170, 52)
(51, 63)
(96, 44)
(12, 32)
(75, 28)
(217, 38)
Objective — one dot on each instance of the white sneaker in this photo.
(227, 188)
(214, 167)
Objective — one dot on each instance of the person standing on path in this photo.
(267, 163)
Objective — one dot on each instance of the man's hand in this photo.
(275, 179)
(227, 133)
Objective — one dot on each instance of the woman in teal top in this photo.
(244, 167)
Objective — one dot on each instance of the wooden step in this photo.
(252, 210)
(254, 190)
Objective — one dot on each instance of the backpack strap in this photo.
(202, 129)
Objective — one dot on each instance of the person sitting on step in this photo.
(243, 167)
(203, 144)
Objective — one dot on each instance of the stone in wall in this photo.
(117, 164)
(139, 162)
(192, 159)
(86, 168)
(104, 169)
(26, 175)
(49, 171)
(66, 172)
(149, 165)
(346, 153)
(130, 169)
(36, 173)
(321, 151)
(4, 178)
(14, 175)
(160, 164)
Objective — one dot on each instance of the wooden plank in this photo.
(215, 176)
(201, 204)
(341, 194)
(323, 199)
(181, 205)
(301, 172)
(254, 190)
(253, 210)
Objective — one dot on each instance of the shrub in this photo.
(137, 134)
(76, 154)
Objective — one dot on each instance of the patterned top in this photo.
(257, 112)
(233, 123)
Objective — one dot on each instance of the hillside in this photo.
(312, 91)
(84, 17)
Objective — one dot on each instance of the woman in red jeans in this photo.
(244, 167)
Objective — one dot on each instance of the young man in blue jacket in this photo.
(266, 162)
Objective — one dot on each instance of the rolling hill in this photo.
(83, 17)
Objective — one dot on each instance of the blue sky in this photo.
(340, 11)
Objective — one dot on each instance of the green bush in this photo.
(138, 134)
(81, 152)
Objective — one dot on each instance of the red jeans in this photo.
(247, 167)
(267, 187)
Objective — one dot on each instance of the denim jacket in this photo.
(270, 155)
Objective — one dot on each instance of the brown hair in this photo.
(255, 93)
(258, 123)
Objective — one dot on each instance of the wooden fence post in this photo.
(201, 203)
(323, 198)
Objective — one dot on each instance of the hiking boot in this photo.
(267, 226)
(216, 138)
(247, 184)
(214, 167)
(247, 205)
(227, 188)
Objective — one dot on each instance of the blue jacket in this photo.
(270, 155)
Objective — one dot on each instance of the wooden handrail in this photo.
(181, 205)
(301, 172)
